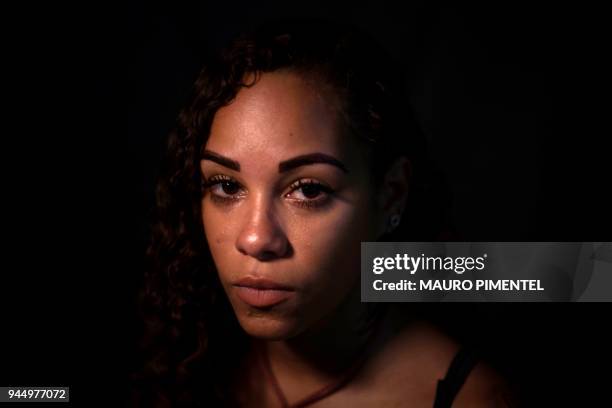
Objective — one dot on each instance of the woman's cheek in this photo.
(218, 234)
(331, 244)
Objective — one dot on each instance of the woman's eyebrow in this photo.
(222, 160)
(284, 166)
(312, 158)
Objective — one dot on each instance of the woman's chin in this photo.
(268, 328)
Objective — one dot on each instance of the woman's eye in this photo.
(222, 188)
(228, 187)
(309, 193)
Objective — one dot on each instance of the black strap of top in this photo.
(448, 387)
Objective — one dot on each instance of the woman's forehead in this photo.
(281, 115)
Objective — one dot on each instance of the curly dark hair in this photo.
(192, 339)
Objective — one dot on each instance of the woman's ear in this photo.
(394, 191)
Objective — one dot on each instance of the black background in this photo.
(509, 96)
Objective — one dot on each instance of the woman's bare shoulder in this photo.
(410, 362)
(419, 354)
(427, 347)
(485, 387)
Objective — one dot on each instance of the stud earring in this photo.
(394, 222)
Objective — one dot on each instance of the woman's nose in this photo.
(262, 236)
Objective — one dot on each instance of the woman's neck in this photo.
(319, 356)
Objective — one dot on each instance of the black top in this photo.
(448, 387)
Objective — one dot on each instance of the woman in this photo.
(296, 146)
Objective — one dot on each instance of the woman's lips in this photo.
(260, 292)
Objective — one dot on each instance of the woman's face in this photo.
(287, 203)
